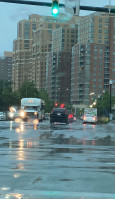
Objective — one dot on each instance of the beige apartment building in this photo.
(42, 45)
(34, 41)
(93, 58)
(22, 51)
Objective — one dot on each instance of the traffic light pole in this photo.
(98, 9)
(90, 8)
(35, 3)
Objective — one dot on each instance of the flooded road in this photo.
(72, 161)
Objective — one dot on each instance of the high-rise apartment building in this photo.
(92, 58)
(47, 48)
(34, 41)
(87, 72)
(42, 45)
(58, 76)
(6, 67)
(22, 51)
(59, 66)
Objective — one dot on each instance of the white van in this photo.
(31, 108)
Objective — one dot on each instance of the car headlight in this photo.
(22, 114)
(11, 114)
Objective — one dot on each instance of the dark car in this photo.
(59, 115)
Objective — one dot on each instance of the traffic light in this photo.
(55, 7)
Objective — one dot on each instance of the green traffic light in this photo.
(55, 11)
(55, 8)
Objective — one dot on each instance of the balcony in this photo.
(81, 60)
(82, 49)
(81, 89)
(106, 54)
(106, 60)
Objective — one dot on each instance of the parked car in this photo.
(2, 116)
(59, 115)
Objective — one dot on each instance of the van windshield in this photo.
(30, 108)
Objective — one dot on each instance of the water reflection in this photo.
(10, 125)
(16, 175)
(20, 152)
(29, 144)
(20, 128)
(85, 125)
(85, 140)
(17, 130)
(35, 127)
(13, 195)
(5, 188)
(20, 166)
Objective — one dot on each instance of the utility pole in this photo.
(110, 83)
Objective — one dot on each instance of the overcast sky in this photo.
(10, 14)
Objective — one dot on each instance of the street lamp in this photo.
(110, 83)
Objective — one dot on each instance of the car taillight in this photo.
(94, 118)
(70, 116)
(84, 117)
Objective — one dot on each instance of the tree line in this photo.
(103, 104)
(28, 89)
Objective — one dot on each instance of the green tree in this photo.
(28, 89)
(7, 97)
(113, 100)
(48, 104)
(103, 104)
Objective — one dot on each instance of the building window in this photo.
(49, 26)
(100, 19)
(94, 80)
(99, 36)
(58, 26)
(100, 25)
(106, 20)
(100, 30)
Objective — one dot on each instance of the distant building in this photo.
(22, 69)
(58, 76)
(59, 66)
(69, 59)
(34, 41)
(93, 58)
(6, 67)
(87, 75)
(42, 45)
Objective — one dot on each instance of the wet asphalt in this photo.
(58, 161)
